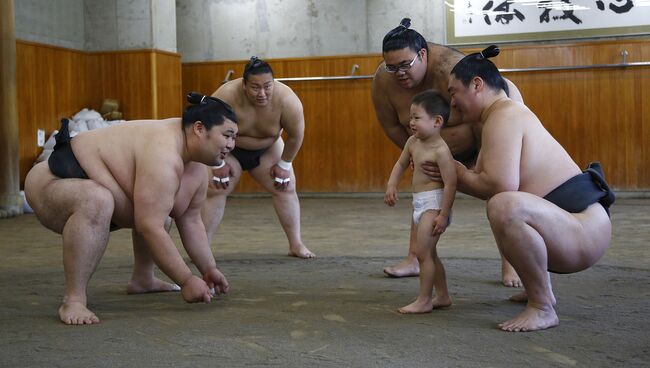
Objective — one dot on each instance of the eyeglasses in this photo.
(401, 67)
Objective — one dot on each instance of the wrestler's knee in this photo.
(506, 208)
(95, 202)
(290, 191)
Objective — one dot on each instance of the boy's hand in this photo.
(391, 196)
(440, 224)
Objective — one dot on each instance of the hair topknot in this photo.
(478, 65)
(490, 51)
(207, 109)
(195, 98)
(402, 36)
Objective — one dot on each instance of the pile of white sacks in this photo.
(82, 121)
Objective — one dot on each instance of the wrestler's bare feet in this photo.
(76, 313)
(509, 276)
(426, 305)
(153, 285)
(522, 297)
(407, 268)
(532, 319)
(300, 251)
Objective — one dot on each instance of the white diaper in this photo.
(423, 201)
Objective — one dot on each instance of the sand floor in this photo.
(337, 310)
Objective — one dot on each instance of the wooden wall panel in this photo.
(127, 78)
(50, 86)
(167, 85)
(54, 82)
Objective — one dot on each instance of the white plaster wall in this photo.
(101, 25)
(233, 30)
(118, 24)
(51, 22)
(163, 16)
(427, 17)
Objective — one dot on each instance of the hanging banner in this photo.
(478, 21)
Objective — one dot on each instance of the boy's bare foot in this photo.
(532, 319)
(300, 251)
(76, 313)
(509, 276)
(407, 268)
(426, 305)
(154, 285)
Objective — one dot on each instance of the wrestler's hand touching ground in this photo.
(281, 177)
(221, 177)
(217, 281)
(195, 290)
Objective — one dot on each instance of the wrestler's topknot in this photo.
(208, 110)
(478, 65)
(256, 66)
(402, 37)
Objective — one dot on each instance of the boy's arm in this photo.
(397, 173)
(401, 165)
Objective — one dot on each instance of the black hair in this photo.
(256, 66)
(433, 103)
(209, 110)
(478, 65)
(402, 37)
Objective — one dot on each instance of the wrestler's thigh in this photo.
(262, 173)
(54, 200)
(573, 241)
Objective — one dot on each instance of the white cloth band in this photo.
(222, 164)
(221, 180)
(284, 165)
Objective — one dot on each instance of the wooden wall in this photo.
(55, 82)
(597, 114)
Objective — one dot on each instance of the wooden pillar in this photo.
(10, 199)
